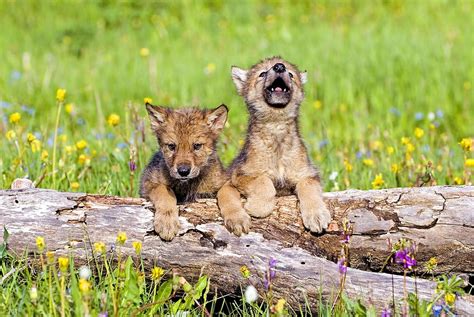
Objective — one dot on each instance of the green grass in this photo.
(374, 68)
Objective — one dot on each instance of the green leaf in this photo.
(199, 287)
(164, 292)
(131, 288)
(6, 234)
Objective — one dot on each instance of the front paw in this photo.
(316, 216)
(259, 207)
(238, 222)
(166, 226)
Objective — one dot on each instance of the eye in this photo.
(291, 75)
(262, 74)
(171, 146)
(197, 146)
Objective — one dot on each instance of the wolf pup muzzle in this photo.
(277, 91)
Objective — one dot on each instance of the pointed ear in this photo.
(216, 118)
(157, 116)
(304, 77)
(239, 76)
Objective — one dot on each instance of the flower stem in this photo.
(60, 104)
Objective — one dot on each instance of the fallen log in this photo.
(439, 219)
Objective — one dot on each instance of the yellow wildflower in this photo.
(469, 162)
(99, 247)
(458, 180)
(317, 104)
(439, 168)
(15, 117)
(280, 305)
(81, 145)
(69, 149)
(121, 238)
(63, 138)
(244, 270)
(60, 94)
(147, 100)
(40, 244)
(63, 263)
(467, 144)
(75, 185)
(390, 150)
(113, 120)
(50, 256)
(450, 298)
(82, 159)
(376, 145)
(348, 166)
(368, 162)
(84, 286)
(137, 245)
(431, 265)
(44, 155)
(210, 68)
(405, 140)
(378, 181)
(144, 52)
(395, 168)
(10, 135)
(30, 137)
(432, 126)
(409, 147)
(35, 146)
(69, 108)
(419, 133)
(156, 273)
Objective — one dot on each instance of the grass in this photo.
(389, 100)
(377, 71)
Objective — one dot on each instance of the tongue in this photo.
(278, 89)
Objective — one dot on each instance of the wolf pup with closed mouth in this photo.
(186, 166)
(273, 160)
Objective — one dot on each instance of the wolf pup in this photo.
(186, 166)
(273, 160)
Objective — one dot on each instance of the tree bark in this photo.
(439, 219)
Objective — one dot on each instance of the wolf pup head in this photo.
(187, 137)
(270, 85)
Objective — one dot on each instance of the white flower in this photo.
(431, 116)
(251, 294)
(333, 176)
(85, 272)
(34, 293)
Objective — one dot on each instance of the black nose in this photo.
(279, 67)
(184, 170)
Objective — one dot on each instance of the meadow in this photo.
(389, 100)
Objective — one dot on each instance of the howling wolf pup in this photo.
(186, 166)
(273, 160)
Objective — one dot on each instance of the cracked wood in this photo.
(439, 219)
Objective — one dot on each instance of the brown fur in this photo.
(273, 160)
(187, 139)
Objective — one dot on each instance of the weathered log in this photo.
(439, 219)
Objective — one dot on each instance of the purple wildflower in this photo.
(345, 238)
(266, 283)
(437, 309)
(132, 165)
(386, 313)
(404, 257)
(342, 266)
(103, 314)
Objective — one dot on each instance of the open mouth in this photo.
(278, 86)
